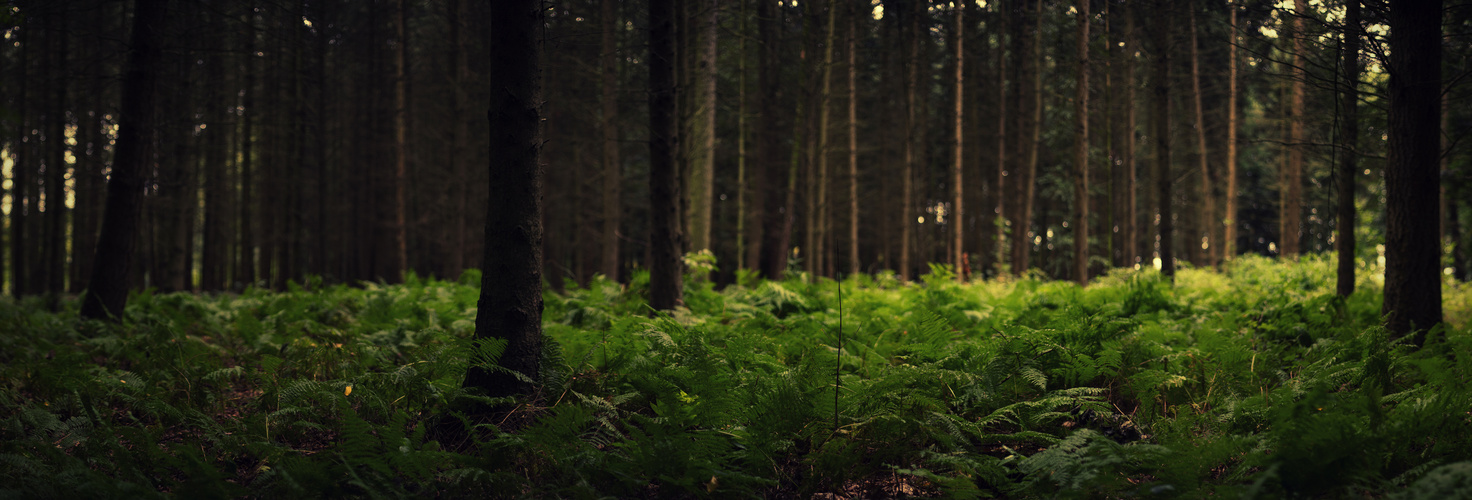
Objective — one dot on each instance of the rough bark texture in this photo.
(1229, 223)
(1081, 152)
(107, 292)
(1348, 162)
(1292, 206)
(612, 176)
(958, 252)
(664, 190)
(1412, 252)
(510, 306)
(1160, 116)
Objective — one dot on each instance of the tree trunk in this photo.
(819, 251)
(107, 292)
(20, 173)
(1292, 209)
(401, 145)
(460, 139)
(1160, 115)
(216, 204)
(1029, 135)
(999, 191)
(853, 146)
(912, 126)
(1348, 161)
(1208, 200)
(1081, 152)
(612, 171)
(1131, 216)
(664, 189)
(1412, 252)
(1229, 224)
(958, 255)
(56, 169)
(776, 216)
(701, 144)
(511, 286)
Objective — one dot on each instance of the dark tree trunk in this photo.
(511, 287)
(246, 270)
(773, 183)
(216, 201)
(401, 143)
(664, 190)
(612, 172)
(1160, 115)
(1081, 152)
(1412, 251)
(21, 153)
(1349, 134)
(54, 239)
(108, 290)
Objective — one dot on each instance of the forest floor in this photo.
(1255, 382)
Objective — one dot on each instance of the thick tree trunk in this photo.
(1081, 152)
(1292, 209)
(958, 252)
(107, 292)
(612, 171)
(511, 286)
(1349, 136)
(1202, 238)
(1029, 129)
(664, 189)
(1229, 223)
(1412, 252)
(1160, 116)
(216, 201)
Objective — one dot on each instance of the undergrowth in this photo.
(1256, 382)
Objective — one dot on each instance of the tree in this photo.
(1228, 245)
(912, 142)
(1290, 212)
(999, 188)
(1160, 118)
(1412, 251)
(776, 214)
(612, 176)
(1207, 214)
(958, 252)
(700, 144)
(664, 189)
(107, 291)
(510, 306)
(401, 143)
(1028, 134)
(1349, 135)
(853, 146)
(1081, 152)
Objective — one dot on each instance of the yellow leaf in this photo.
(711, 486)
(348, 391)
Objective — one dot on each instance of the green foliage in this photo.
(1256, 382)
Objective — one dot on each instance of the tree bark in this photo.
(1030, 120)
(1412, 251)
(20, 172)
(1207, 215)
(818, 254)
(107, 292)
(1348, 161)
(216, 202)
(999, 191)
(1131, 213)
(612, 170)
(401, 145)
(700, 179)
(1081, 152)
(54, 241)
(958, 255)
(510, 306)
(772, 185)
(1292, 209)
(1229, 224)
(853, 147)
(664, 189)
(1160, 115)
(912, 126)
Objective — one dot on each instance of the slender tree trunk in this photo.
(1208, 199)
(20, 173)
(853, 147)
(1229, 224)
(776, 214)
(1292, 209)
(56, 169)
(1131, 214)
(912, 126)
(819, 254)
(1348, 162)
(107, 292)
(1412, 253)
(958, 255)
(1081, 152)
(1452, 225)
(744, 259)
(664, 190)
(701, 143)
(612, 171)
(999, 190)
(216, 206)
(1030, 133)
(401, 145)
(1160, 111)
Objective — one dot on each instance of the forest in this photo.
(735, 248)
